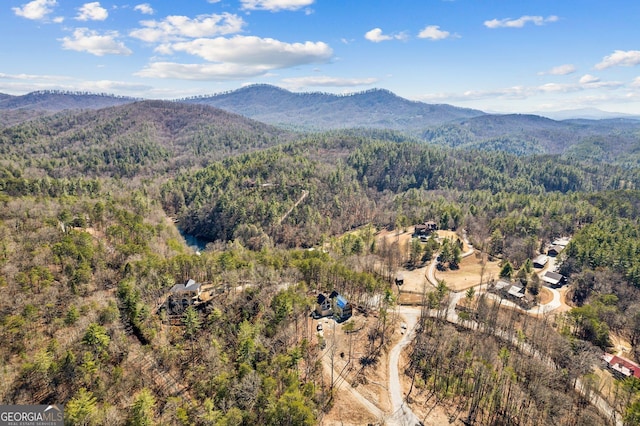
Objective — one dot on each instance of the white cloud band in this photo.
(176, 27)
(520, 22)
(254, 51)
(620, 58)
(85, 40)
(375, 35)
(433, 32)
(275, 5)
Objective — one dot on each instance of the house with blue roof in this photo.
(335, 305)
(342, 309)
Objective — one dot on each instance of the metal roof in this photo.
(341, 302)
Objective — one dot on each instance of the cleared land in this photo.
(472, 269)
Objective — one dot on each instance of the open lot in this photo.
(473, 270)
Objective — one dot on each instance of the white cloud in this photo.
(375, 35)
(433, 32)
(58, 19)
(520, 22)
(525, 92)
(620, 58)
(560, 70)
(92, 12)
(635, 82)
(30, 77)
(36, 9)
(275, 5)
(177, 27)
(325, 81)
(235, 58)
(597, 84)
(226, 71)
(213, 1)
(145, 9)
(110, 86)
(588, 78)
(256, 51)
(25, 83)
(85, 40)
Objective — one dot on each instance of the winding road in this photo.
(401, 413)
(407, 416)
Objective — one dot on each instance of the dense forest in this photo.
(92, 205)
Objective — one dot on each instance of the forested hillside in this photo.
(90, 203)
(351, 181)
(51, 100)
(137, 139)
(374, 109)
(18, 109)
(613, 141)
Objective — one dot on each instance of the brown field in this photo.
(545, 296)
(469, 273)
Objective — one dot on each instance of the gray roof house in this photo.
(553, 279)
(540, 261)
(181, 296)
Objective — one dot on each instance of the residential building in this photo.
(540, 261)
(181, 296)
(554, 280)
(621, 367)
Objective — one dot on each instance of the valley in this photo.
(423, 231)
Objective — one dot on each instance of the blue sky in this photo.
(495, 55)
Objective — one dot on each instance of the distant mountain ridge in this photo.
(53, 100)
(612, 140)
(375, 108)
(18, 109)
(585, 114)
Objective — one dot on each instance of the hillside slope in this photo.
(137, 138)
(18, 109)
(375, 108)
(59, 101)
(615, 140)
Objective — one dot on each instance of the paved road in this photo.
(409, 313)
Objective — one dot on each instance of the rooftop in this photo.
(190, 286)
(552, 277)
(541, 259)
(564, 241)
(502, 284)
(622, 365)
(516, 291)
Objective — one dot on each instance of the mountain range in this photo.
(614, 140)
(376, 108)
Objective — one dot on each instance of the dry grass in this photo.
(371, 381)
(469, 274)
(545, 296)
